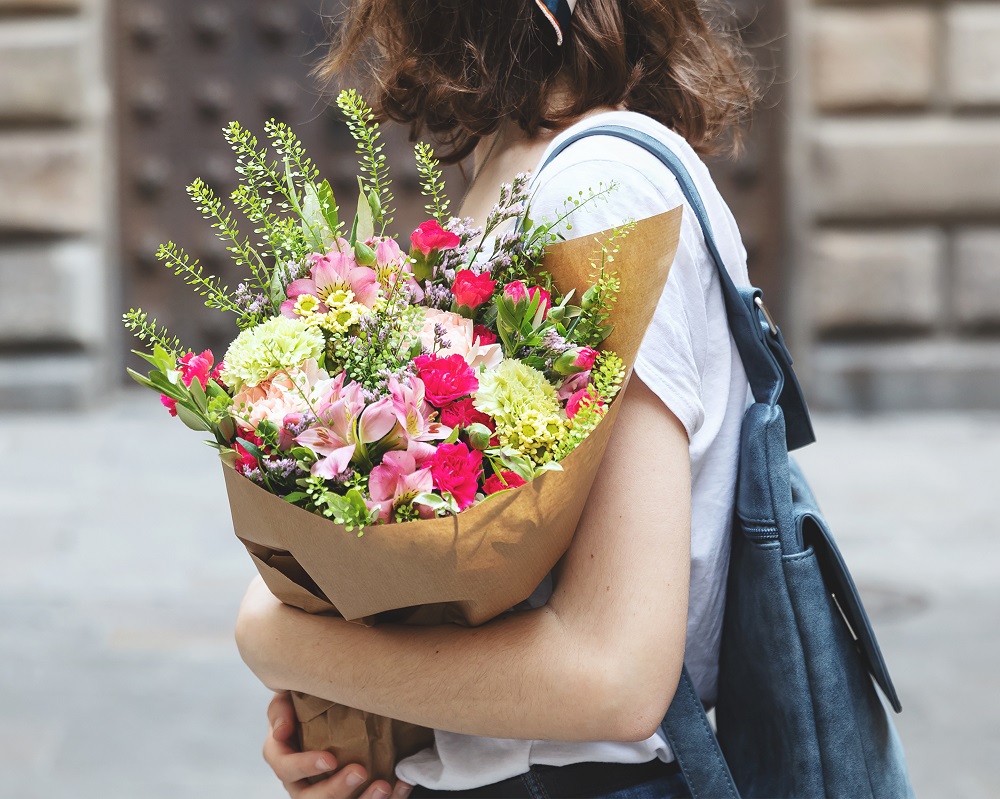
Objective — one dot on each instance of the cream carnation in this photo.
(277, 344)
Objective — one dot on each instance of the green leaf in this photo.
(328, 205)
(253, 449)
(192, 420)
(142, 380)
(227, 428)
(366, 221)
(297, 496)
(439, 505)
(198, 395)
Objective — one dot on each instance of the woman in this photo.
(520, 703)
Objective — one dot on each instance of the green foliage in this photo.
(365, 131)
(222, 222)
(592, 328)
(431, 184)
(191, 272)
(608, 376)
(348, 509)
(584, 423)
(149, 332)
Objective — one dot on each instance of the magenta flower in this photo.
(334, 274)
(398, 481)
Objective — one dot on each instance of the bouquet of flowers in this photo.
(462, 389)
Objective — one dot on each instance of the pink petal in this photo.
(376, 421)
(421, 451)
(300, 287)
(382, 483)
(402, 462)
(419, 482)
(334, 465)
(321, 440)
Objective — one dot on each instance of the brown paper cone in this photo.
(466, 569)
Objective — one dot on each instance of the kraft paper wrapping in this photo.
(466, 569)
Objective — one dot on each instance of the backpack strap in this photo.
(766, 359)
(695, 746)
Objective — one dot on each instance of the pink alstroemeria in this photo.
(398, 481)
(346, 426)
(337, 271)
(414, 415)
(392, 264)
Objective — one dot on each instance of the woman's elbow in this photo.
(634, 706)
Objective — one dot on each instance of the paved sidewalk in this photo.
(120, 579)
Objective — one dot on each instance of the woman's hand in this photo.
(295, 768)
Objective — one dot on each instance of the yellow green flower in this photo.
(277, 344)
(524, 405)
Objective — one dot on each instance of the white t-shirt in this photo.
(689, 360)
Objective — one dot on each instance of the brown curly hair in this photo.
(458, 68)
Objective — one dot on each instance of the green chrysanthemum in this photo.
(261, 351)
(523, 403)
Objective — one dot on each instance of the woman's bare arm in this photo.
(600, 662)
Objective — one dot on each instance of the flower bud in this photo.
(479, 436)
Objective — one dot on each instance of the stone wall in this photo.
(895, 199)
(55, 191)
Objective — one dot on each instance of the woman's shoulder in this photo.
(632, 182)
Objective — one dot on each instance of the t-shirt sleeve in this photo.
(669, 361)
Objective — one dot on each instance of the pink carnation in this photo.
(446, 379)
(455, 470)
(463, 413)
(502, 482)
(579, 400)
(472, 290)
(431, 237)
(485, 335)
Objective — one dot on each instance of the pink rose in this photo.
(581, 359)
(461, 337)
(585, 359)
(472, 290)
(502, 482)
(516, 292)
(446, 379)
(431, 237)
(463, 413)
(484, 334)
(455, 470)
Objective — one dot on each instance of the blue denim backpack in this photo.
(798, 714)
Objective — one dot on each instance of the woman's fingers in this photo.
(402, 791)
(344, 785)
(281, 717)
(292, 767)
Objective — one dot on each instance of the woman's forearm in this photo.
(518, 677)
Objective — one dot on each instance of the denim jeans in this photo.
(672, 787)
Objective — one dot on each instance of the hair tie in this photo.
(558, 13)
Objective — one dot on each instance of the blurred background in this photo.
(869, 198)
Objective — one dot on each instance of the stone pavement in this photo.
(120, 578)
